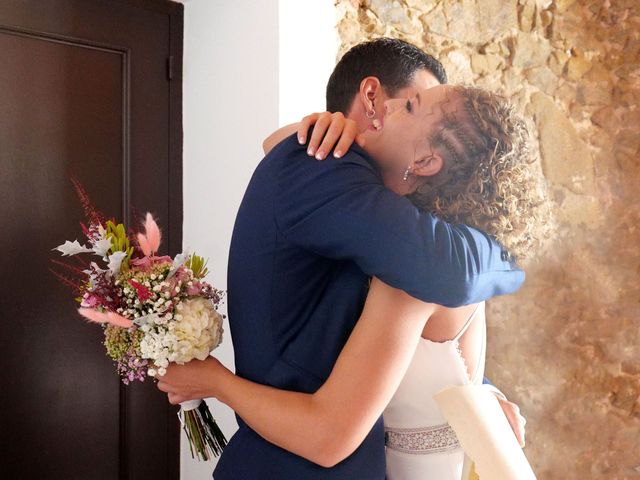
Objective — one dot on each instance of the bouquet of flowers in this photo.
(153, 309)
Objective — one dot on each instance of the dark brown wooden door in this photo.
(90, 87)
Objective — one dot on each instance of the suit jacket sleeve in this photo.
(341, 209)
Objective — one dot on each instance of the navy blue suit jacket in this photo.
(307, 239)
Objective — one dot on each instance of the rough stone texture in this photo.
(566, 348)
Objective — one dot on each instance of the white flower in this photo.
(194, 331)
(198, 330)
(93, 273)
(115, 261)
(72, 248)
(101, 247)
(151, 318)
(178, 261)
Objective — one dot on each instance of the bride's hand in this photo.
(331, 129)
(193, 380)
(516, 420)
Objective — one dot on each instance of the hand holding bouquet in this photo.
(153, 309)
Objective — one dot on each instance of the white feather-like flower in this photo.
(101, 247)
(178, 261)
(145, 319)
(92, 274)
(115, 262)
(72, 248)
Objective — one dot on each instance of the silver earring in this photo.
(406, 174)
(376, 124)
(371, 114)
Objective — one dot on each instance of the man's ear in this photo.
(428, 167)
(369, 93)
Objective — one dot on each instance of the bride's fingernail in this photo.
(301, 140)
(320, 155)
(337, 153)
(310, 151)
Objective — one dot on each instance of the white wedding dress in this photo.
(420, 444)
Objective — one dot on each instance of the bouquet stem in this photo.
(206, 440)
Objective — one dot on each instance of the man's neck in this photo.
(391, 178)
(395, 182)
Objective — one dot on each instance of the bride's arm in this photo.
(329, 130)
(327, 426)
(277, 136)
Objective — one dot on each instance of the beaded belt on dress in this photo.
(437, 438)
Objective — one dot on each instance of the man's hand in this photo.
(193, 380)
(512, 412)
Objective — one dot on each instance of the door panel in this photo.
(84, 89)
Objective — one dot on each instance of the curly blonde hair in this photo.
(490, 179)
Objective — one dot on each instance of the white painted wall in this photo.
(250, 66)
(230, 104)
(307, 54)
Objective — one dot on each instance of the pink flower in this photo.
(105, 317)
(145, 263)
(150, 240)
(194, 289)
(89, 300)
(181, 274)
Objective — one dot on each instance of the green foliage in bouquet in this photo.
(198, 265)
(119, 241)
(121, 341)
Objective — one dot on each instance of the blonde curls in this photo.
(494, 184)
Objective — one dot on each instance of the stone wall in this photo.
(566, 348)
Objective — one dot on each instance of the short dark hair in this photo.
(394, 62)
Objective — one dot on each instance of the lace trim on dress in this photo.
(456, 344)
(417, 441)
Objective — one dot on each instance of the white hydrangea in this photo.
(194, 331)
(198, 330)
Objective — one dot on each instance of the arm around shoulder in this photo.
(341, 209)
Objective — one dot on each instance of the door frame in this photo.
(175, 11)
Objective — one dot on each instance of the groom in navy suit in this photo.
(308, 237)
